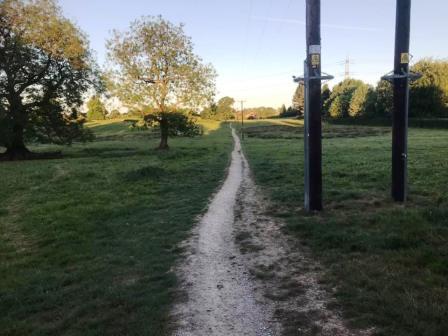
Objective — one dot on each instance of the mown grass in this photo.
(293, 129)
(388, 261)
(88, 242)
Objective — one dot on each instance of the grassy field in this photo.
(388, 261)
(87, 242)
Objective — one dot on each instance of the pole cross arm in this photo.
(324, 76)
(412, 76)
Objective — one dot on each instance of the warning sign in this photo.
(404, 58)
(315, 60)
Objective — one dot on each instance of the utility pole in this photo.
(313, 166)
(400, 79)
(401, 101)
(242, 117)
(312, 79)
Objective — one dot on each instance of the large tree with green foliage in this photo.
(384, 99)
(209, 112)
(344, 92)
(45, 68)
(326, 93)
(156, 67)
(429, 94)
(114, 114)
(362, 103)
(96, 109)
(224, 108)
(336, 108)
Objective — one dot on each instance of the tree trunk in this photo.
(163, 134)
(16, 149)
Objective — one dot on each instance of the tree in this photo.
(344, 90)
(157, 68)
(209, 112)
(298, 100)
(290, 112)
(224, 109)
(429, 94)
(336, 108)
(96, 109)
(282, 111)
(362, 103)
(326, 93)
(384, 99)
(45, 68)
(114, 114)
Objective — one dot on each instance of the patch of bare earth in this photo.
(242, 276)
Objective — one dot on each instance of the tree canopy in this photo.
(298, 100)
(96, 109)
(45, 68)
(222, 110)
(362, 103)
(429, 94)
(156, 67)
(343, 92)
(384, 99)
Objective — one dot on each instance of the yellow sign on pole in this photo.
(404, 58)
(315, 60)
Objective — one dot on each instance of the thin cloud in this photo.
(325, 25)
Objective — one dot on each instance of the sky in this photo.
(256, 46)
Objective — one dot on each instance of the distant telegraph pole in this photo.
(242, 117)
(400, 79)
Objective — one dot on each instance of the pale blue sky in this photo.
(257, 45)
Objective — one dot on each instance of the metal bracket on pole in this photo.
(412, 76)
(303, 79)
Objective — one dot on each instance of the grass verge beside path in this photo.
(87, 242)
(388, 261)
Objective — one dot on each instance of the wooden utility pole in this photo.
(401, 101)
(242, 118)
(312, 80)
(313, 129)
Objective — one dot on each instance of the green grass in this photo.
(88, 242)
(388, 261)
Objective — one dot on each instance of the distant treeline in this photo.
(354, 99)
(224, 110)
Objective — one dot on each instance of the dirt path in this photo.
(242, 276)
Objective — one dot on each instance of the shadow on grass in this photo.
(148, 172)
